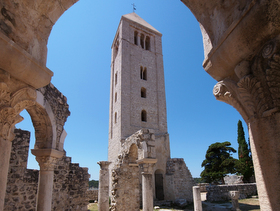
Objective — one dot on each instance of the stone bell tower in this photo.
(137, 102)
(137, 98)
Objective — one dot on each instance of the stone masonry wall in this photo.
(70, 186)
(125, 188)
(92, 195)
(22, 183)
(220, 192)
(179, 180)
(70, 181)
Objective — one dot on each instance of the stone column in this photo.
(5, 152)
(103, 190)
(197, 198)
(47, 158)
(234, 195)
(146, 167)
(255, 95)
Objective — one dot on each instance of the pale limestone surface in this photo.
(134, 142)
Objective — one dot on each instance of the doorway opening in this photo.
(159, 185)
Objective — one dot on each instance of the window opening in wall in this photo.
(143, 73)
(135, 37)
(143, 92)
(142, 40)
(115, 117)
(116, 78)
(116, 47)
(147, 43)
(116, 97)
(144, 116)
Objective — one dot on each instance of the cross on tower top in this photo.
(133, 7)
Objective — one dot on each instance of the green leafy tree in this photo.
(93, 183)
(198, 180)
(245, 164)
(218, 162)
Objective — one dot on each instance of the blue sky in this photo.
(79, 54)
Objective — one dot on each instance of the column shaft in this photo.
(103, 191)
(265, 147)
(44, 196)
(197, 198)
(147, 192)
(5, 153)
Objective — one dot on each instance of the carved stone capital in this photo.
(47, 163)
(255, 91)
(47, 158)
(146, 165)
(104, 165)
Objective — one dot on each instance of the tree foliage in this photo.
(198, 180)
(245, 164)
(93, 183)
(218, 162)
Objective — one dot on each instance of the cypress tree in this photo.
(245, 164)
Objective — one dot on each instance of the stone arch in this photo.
(43, 127)
(48, 115)
(38, 21)
(133, 153)
(44, 123)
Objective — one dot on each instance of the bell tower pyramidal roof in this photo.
(137, 19)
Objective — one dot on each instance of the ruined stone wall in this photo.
(220, 192)
(22, 183)
(125, 188)
(70, 181)
(179, 180)
(92, 195)
(70, 186)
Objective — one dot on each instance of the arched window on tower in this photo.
(143, 92)
(116, 97)
(144, 116)
(143, 73)
(147, 43)
(135, 37)
(116, 117)
(116, 47)
(142, 40)
(116, 78)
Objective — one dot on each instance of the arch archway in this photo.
(133, 153)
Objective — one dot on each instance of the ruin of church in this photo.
(138, 136)
(70, 181)
(241, 49)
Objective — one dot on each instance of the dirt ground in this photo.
(250, 204)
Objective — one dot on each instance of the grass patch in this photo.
(93, 207)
